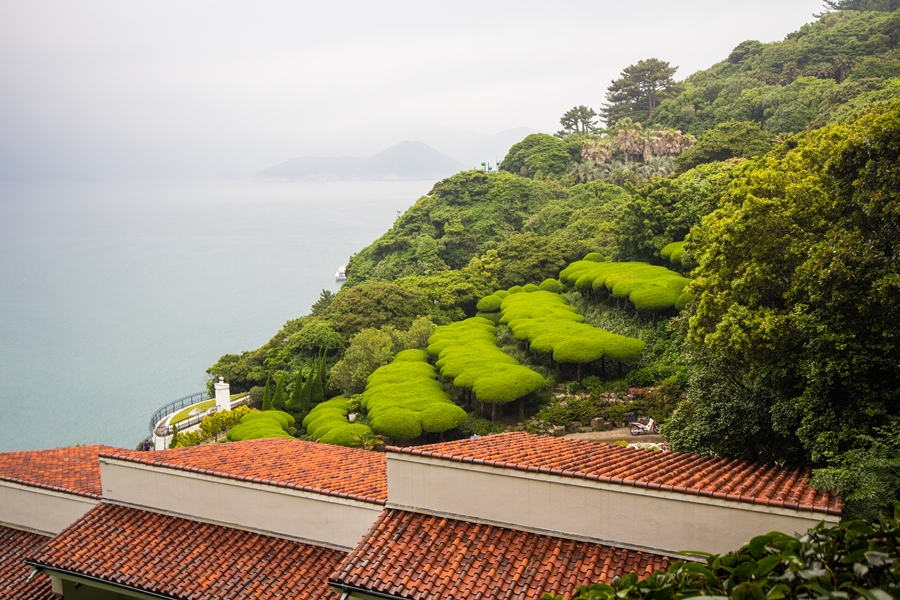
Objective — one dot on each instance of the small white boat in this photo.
(341, 274)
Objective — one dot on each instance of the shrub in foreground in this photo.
(849, 561)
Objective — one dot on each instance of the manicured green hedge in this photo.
(349, 434)
(552, 285)
(327, 422)
(404, 399)
(493, 317)
(489, 303)
(467, 353)
(551, 325)
(283, 418)
(646, 286)
(672, 252)
(265, 424)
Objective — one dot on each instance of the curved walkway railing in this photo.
(166, 430)
(171, 407)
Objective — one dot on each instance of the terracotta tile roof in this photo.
(15, 546)
(74, 470)
(187, 559)
(308, 466)
(743, 481)
(419, 556)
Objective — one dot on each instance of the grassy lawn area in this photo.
(185, 413)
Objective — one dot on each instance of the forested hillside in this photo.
(721, 249)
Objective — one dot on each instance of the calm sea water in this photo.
(115, 298)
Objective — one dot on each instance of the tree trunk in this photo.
(579, 372)
(493, 412)
(620, 368)
(603, 365)
(522, 408)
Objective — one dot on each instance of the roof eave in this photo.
(94, 581)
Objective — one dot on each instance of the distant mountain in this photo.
(405, 161)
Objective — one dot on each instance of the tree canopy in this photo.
(578, 120)
(540, 155)
(638, 90)
(732, 139)
(798, 299)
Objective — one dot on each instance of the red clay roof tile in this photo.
(73, 470)
(684, 473)
(419, 556)
(187, 559)
(15, 546)
(308, 466)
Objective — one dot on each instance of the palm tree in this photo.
(666, 142)
(584, 171)
(598, 152)
(618, 173)
(629, 137)
(656, 166)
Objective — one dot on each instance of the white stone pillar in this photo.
(223, 395)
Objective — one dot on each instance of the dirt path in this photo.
(614, 436)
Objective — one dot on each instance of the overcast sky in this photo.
(184, 89)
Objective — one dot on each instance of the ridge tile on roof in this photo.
(309, 466)
(73, 470)
(765, 484)
(15, 546)
(187, 559)
(419, 556)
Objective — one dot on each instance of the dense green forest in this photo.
(727, 240)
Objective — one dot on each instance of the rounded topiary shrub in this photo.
(350, 435)
(552, 285)
(442, 416)
(489, 303)
(397, 423)
(672, 252)
(515, 289)
(530, 287)
(683, 300)
(594, 257)
(411, 355)
(283, 418)
(493, 317)
(258, 425)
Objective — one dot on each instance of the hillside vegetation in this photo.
(727, 240)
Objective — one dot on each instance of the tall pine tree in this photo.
(267, 399)
(317, 391)
(278, 399)
(295, 402)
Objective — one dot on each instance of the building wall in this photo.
(318, 518)
(79, 590)
(43, 510)
(631, 516)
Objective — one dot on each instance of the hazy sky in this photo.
(163, 89)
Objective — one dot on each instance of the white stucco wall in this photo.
(318, 518)
(631, 516)
(43, 510)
